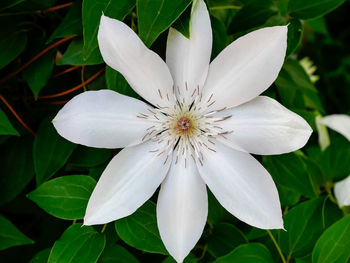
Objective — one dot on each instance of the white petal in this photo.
(245, 68)
(145, 71)
(182, 208)
(188, 59)
(342, 192)
(242, 186)
(339, 123)
(103, 119)
(129, 180)
(263, 126)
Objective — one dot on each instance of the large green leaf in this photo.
(6, 127)
(89, 157)
(295, 32)
(333, 245)
(10, 236)
(155, 16)
(78, 244)
(224, 238)
(247, 253)
(71, 23)
(41, 257)
(115, 81)
(51, 151)
(39, 72)
(140, 230)
(289, 170)
(312, 8)
(117, 254)
(16, 167)
(91, 14)
(64, 197)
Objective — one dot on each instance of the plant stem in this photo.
(277, 246)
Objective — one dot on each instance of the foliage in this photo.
(49, 53)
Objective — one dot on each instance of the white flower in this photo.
(339, 123)
(204, 122)
(342, 192)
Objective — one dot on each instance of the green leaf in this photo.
(6, 127)
(224, 238)
(247, 253)
(295, 32)
(140, 230)
(78, 244)
(333, 245)
(117, 254)
(312, 8)
(74, 55)
(189, 259)
(115, 81)
(51, 151)
(155, 16)
(250, 16)
(41, 257)
(91, 14)
(182, 24)
(289, 170)
(64, 197)
(39, 72)
(295, 88)
(10, 236)
(71, 24)
(12, 44)
(89, 157)
(16, 167)
(219, 36)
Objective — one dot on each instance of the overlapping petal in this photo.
(144, 70)
(182, 208)
(129, 180)
(188, 59)
(339, 123)
(242, 186)
(263, 126)
(245, 68)
(342, 192)
(102, 119)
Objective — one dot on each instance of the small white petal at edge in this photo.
(342, 192)
(339, 123)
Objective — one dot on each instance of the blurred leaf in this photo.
(9, 3)
(251, 15)
(64, 197)
(318, 25)
(295, 32)
(289, 170)
(295, 88)
(189, 259)
(288, 196)
(219, 36)
(39, 72)
(155, 16)
(140, 230)
(41, 257)
(71, 24)
(333, 245)
(12, 43)
(89, 157)
(51, 151)
(312, 8)
(6, 127)
(224, 238)
(182, 24)
(115, 81)
(91, 14)
(117, 254)
(16, 167)
(78, 244)
(216, 213)
(10, 236)
(247, 253)
(74, 55)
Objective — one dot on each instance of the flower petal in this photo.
(144, 70)
(103, 119)
(339, 123)
(129, 180)
(188, 59)
(342, 192)
(182, 208)
(245, 68)
(263, 126)
(242, 186)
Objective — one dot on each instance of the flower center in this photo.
(184, 124)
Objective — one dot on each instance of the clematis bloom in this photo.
(201, 124)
